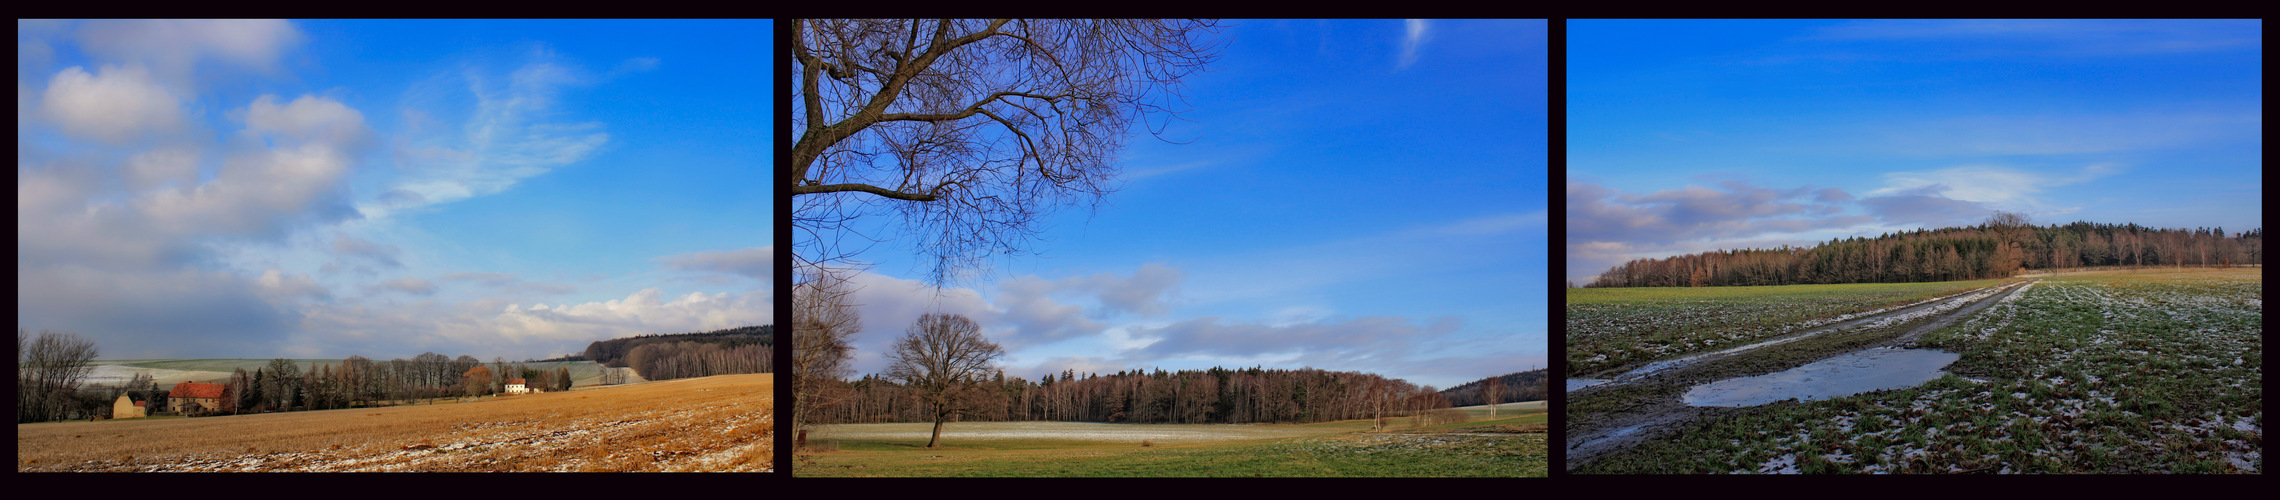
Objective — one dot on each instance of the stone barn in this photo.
(127, 407)
(194, 397)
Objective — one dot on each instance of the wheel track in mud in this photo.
(1647, 420)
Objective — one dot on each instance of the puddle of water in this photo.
(1843, 375)
(1579, 383)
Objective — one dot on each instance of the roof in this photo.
(141, 403)
(196, 390)
(514, 381)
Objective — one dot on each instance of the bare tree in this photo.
(824, 322)
(51, 368)
(283, 383)
(940, 357)
(970, 130)
(1494, 388)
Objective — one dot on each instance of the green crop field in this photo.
(1481, 448)
(1609, 328)
(2153, 371)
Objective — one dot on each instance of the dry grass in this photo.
(723, 423)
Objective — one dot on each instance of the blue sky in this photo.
(1693, 135)
(325, 188)
(1352, 195)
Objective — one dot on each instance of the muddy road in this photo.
(1638, 403)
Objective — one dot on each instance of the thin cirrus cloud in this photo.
(513, 132)
(412, 286)
(378, 253)
(2066, 37)
(758, 263)
(1415, 32)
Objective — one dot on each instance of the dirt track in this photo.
(1641, 402)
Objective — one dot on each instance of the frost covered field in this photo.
(1609, 328)
(710, 424)
(2120, 372)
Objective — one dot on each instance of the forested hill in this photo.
(1997, 249)
(1213, 396)
(1531, 385)
(613, 352)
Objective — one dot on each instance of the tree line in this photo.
(943, 369)
(613, 352)
(671, 360)
(360, 381)
(1531, 385)
(1999, 248)
(1214, 396)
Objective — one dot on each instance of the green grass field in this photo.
(1609, 328)
(2152, 371)
(1068, 449)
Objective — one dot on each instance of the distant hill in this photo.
(612, 352)
(1529, 385)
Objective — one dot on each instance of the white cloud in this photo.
(2003, 186)
(257, 194)
(174, 46)
(645, 311)
(114, 105)
(278, 285)
(1415, 33)
(307, 119)
(161, 167)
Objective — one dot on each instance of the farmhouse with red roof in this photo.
(193, 397)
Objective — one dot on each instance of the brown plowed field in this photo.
(711, 424)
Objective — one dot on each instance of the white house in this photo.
(515, 386)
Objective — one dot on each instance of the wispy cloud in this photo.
(1994, 185)
(1414, 35)
(516, 130)
(2087, 37)
(756, 262)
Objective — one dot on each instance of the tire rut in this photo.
(1647, 420)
